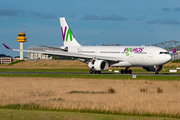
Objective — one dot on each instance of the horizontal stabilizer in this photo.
(6, 46)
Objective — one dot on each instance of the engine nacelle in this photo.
(153, 68)
(98, 65)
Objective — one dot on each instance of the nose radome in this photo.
(168, 58)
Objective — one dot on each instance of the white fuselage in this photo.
(131, 55)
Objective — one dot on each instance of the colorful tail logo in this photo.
(69, 33)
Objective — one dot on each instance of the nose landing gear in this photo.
(156, 69)
(156, 72)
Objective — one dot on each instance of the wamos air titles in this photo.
(99, 58)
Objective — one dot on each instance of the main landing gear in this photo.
(126, 71)
(93, 71)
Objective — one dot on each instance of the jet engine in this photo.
(155, 69)
(98, 65)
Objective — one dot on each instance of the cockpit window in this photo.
(164, 53)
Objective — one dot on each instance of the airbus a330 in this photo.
(99, 58)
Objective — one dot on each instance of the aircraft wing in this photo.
(70, 54)
(61, 48)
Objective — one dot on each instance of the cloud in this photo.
(113, 18)
(171, 21)
(152, 21)
(8, 12)
(166, 9)
(157, 21)
(177, 9)
(140, 19)
(91, 17)
(151, 31)
(48, 16)
(105, 17)
(103, 33)
(72, 15)
(33, 13)
(22, 13)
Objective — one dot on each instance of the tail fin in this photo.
(174, 51)
(68, 37)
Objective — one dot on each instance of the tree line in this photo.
(3, 55)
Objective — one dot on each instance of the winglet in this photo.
(174, 51)
(6, 46)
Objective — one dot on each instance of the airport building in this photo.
(5, 60)
(35, 56)
(176, 56)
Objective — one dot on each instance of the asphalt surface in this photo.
(150, 74)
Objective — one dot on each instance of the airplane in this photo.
(99, 58)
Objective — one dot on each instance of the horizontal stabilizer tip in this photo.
(6, 46)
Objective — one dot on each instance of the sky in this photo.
(93, 22)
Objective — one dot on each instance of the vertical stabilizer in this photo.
(174, 51)
(68, 37)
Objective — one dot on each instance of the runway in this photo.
(150, 74)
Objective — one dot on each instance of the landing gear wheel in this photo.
(130, 71)
(156, 72)
(122, 71)
(99, 72)
(94, 72)
(126, 71)
(91, 71)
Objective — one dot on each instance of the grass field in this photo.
(77, 93)
(96, 76)
(69, 66)
(7, 114)
(48, 64)
(77, 70)
(70, 70)
(55, 64)
(54, 94)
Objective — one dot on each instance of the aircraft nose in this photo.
(168, 58)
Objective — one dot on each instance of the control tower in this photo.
(21, 38)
